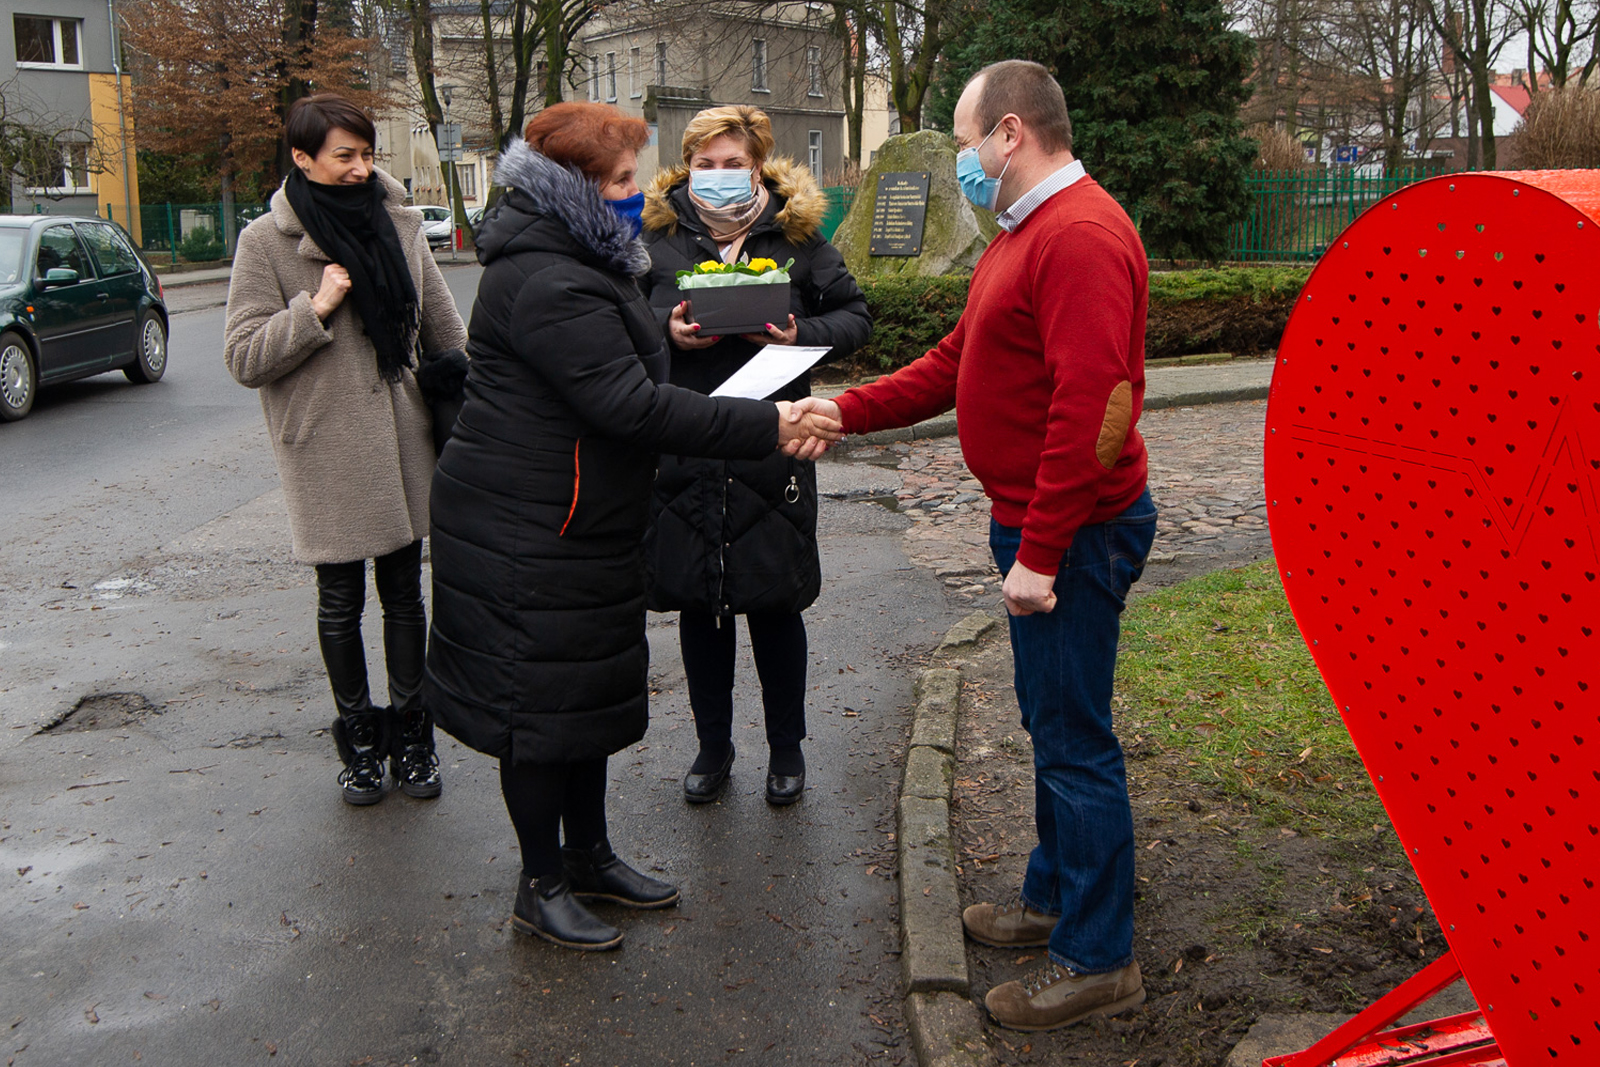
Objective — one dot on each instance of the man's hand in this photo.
(774, 335)
(685, 334)
(335, 284)
(832, 419)
(805, 433)
(1028, 591)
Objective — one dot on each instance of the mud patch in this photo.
(104, 711)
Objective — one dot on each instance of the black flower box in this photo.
(735, 309)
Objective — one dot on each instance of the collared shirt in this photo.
(1014, 216)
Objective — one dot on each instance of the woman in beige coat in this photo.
(333, 294)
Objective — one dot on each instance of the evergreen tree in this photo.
(1154, 89)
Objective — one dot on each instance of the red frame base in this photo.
(1458, 1041)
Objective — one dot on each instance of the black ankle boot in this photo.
(597, 874)
(546, 908)
(362, 740)
(412, 760)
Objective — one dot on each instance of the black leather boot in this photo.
(597, 874)
(546, 908)
(412, 760)
(362, 740)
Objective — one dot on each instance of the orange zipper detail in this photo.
(576, 477)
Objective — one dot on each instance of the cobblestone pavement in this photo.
(1205, 476)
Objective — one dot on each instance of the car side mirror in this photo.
(60, 276)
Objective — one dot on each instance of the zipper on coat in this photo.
(576, 477)
(722, 560)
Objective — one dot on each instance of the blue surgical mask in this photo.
(976, 185)
(720, 188)
(631, 210)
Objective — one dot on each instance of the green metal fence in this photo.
(840, 197)
(1295, 215)
(173, 232)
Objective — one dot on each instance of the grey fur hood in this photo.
(543, 195)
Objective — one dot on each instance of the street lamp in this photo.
(454, 150)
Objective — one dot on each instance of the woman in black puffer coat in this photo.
(739, 537)
(540, 501)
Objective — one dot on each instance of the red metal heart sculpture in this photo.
(1433, 473)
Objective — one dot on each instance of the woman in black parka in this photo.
(739, 537)
(540, 501)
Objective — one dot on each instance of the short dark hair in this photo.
(1029, 91)
(311, 117)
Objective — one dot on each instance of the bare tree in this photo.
(1561, 39)
(1385, 53)
(1474, 36)
(913, 33)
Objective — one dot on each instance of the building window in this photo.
(813, 71)
(611, 77)
(541, 75)
(758, 67)
(635, 63)
(594, 78)
(48, 42)
(72, 177)
(467, 182)
(661, 62)
(814, 153)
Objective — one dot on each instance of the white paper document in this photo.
(770, 370)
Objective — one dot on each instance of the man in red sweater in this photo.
(1046, 372)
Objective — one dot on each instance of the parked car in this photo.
(437, 226)
(76, 298)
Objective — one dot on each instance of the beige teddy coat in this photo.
(355, 453)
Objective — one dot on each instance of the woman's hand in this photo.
(774, 336)
(335, 284)
(685, 334)
(805, 432)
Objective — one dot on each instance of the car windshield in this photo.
(435, 214)
(13, 239)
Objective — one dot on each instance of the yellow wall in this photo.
(109, 132)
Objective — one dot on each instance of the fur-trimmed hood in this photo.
(800, 215)
(560, 193)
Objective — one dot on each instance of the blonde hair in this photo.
(748, 124)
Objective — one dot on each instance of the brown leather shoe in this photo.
(1053, 997)
(1013, 925)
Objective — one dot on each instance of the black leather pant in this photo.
(341, 596)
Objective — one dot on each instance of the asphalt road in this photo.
(179, 881)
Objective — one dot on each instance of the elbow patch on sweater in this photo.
(1114, 427)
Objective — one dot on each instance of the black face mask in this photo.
(352, 226)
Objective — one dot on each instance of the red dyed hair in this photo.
(591, 137)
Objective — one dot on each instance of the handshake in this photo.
(807, 427)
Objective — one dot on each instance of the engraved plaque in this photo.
(898, 214)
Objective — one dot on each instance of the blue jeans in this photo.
(1065, 661)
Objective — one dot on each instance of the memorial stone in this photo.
(954, 233)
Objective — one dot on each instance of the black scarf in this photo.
(352, 227)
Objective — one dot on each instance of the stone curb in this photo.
(946, 1028)
(946, 1031)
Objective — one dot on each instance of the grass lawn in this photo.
(1214, 675)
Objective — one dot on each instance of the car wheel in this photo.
(150, 362)
(18, 379)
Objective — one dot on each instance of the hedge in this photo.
(1241, 310)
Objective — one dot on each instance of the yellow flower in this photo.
(763, 265)
(710, 267)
